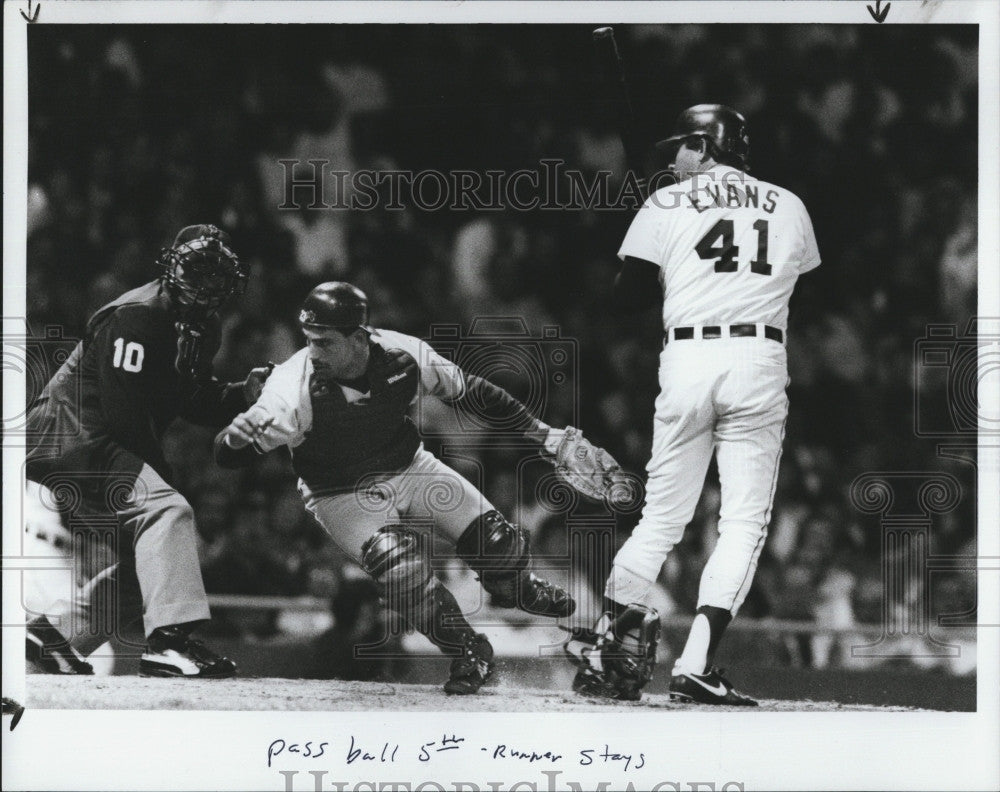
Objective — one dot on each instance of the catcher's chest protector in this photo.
(349, 439)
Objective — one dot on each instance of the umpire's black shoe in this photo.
(47, 652)
(708, 688)
(471, 671)
(171, 652)
(541, 598)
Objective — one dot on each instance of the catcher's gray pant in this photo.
(726, 395)
(157, 577)
(427, 496)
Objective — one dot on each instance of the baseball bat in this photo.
(612, 64)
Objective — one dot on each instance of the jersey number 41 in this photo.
(718, 244)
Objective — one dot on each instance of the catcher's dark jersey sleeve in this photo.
(443, 379)
(494, 403)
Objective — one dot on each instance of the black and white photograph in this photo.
(504, 396)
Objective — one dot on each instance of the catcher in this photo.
(342, 406)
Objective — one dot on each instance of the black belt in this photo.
(709, 332)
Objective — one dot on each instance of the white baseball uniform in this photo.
(45, 536)
(730, 248)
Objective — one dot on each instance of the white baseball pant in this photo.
(725, 395)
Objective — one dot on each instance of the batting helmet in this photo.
(723, 128)
(335, 304)
(201, 271)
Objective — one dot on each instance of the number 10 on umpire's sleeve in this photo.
(128, 356)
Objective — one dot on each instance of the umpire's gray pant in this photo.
(157, 576)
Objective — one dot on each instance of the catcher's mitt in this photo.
(586, 468)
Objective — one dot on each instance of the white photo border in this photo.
(226, 750)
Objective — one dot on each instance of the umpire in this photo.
(95, 448)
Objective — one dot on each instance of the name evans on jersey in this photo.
(730, 194)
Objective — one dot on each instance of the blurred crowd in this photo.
(135, 132)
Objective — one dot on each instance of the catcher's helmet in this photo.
(335, 304)
(201, 271)
(723, 128)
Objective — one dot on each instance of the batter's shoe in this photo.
(47, 652)
(541, 598)
(708, 688)
(591, 679)
(471, 671)
(171, 652)
(617, 657)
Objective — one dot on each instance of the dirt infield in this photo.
(248, 693)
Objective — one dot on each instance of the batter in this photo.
(725, 250)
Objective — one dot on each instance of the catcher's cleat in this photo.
(471, 671)
(171, 652)
(47, 652)
(541, 598)
(617, 657)
(708, 688)
(500, 553)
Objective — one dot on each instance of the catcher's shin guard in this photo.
(395, 557)
(617, 657)
(500, 553)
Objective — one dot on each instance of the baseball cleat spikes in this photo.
(611, 667)
(47, 652)
(172, 653)
(708, 688)
(472, 670)
(541, 598)
(593, 683)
